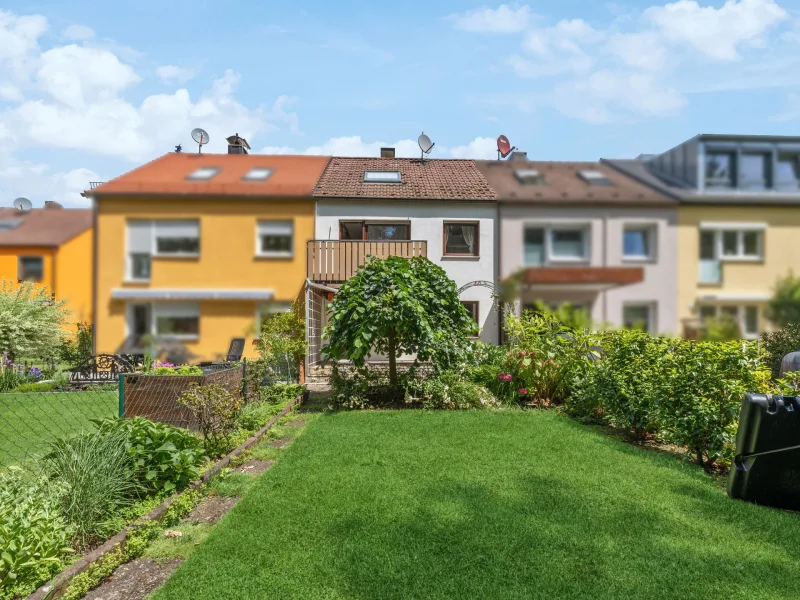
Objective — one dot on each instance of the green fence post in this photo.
(121, 395)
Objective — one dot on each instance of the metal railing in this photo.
(338, 260)
(94, 184)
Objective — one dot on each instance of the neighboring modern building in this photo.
(442, 209)
(738, 221)
(196, 247)
(580, 232)
(53, 247)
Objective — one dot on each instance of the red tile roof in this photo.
(167, 175)
(436, 179)
(49, 227)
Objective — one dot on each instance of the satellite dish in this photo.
(23, 204)
(504, 147)
(201, 137)
(425, 143)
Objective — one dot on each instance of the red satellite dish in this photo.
(503, 146)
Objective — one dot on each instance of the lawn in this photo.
(30, 421)
(498, 505)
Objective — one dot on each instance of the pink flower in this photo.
(549, 361)
(523, 392)
(504, 377)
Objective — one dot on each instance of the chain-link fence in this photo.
(33, 416)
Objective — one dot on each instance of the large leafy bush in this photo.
(216, 411)
(31, 321)
(784, 307)
(778, 344)
(282, 342)
(34, 537)
(76, 349)
(166, 458)
(448, 390)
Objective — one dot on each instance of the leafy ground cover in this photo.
(504, 504)
(31, 421)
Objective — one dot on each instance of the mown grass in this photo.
(502, 505)
(31, 421)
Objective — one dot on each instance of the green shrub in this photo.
(255, 415)
(349, 389)
(166, 457)
(447, 391)
(170, 370)
(282, 342)
(789, 384)
(99, 478)
(45, 386)
(778, 344)
(77, 349)
(34, 538)
(280, 393)
(720, 329)
(216, 411)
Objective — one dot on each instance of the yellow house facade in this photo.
(196, 248)
(52, 247)
(738, 222)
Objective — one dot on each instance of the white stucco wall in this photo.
(605, 240)
(427, 223)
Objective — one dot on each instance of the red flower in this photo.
(549, 361)
(523, 392)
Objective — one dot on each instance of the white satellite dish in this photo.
(201, 137)
(23, 204)
(425, 143)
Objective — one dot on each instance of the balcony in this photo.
(710, 272)
(335, 261)
(94, 184)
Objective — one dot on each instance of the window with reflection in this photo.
(719, 169)
(787, 172)
(754, 171)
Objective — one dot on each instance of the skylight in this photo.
(257, 174)
(8, 225)
(529, 176)
(382, 177)
(595, 177)
(203, 173)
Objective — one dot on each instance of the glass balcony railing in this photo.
(710, 271)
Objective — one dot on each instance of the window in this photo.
(754, 170)
(275, 238)
(389, 232)
(637, 242)
(177, 238)
(140, 266)
(638, 316)
(534, 246)
(203, 174)
(177, 319)
(381, 176)
(146, 239)
(529, 176)
(719, 169)
(750, 325)
(473, 309)
(707, 312)
(787, 174)
(595, 178)
(746, 317)
(567, 244)
(257, 175)
(30, 268)
(741, 244)
(461, 239)
(270, 308)
(140, 249)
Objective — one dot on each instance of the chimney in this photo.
(52, 204)
(237, 145)
(387, 152)
(518, 156)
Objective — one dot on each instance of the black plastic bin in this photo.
(766, 469)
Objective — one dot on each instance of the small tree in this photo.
(399, 306)
(31, 321)
(784, 307)
(78, 348)
(282, 343)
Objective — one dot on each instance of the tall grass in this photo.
(99, 478)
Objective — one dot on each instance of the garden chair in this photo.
(235, 350)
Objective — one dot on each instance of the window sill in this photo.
(136, 281)
(276, 255)
(178, 338)
(460, 257)
(639, 259)
(179, 256)
(742, 259)
(567, 261)
(709, 284)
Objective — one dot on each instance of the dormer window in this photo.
(382, 177)
(529, 176)
(719, 170)
(787, 173)
(754, 171)
(595, 178)
(203, 174)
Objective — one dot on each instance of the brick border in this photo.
(58, 584)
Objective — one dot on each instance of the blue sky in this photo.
(89, 90)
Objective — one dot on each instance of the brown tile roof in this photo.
(291, 176)
(563, 184)
(561, 275)
(44, 226)
(436, 179)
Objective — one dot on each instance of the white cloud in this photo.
(717, 32)
(643, 50)
(78, 33)
(19, 50)
(503, 19)
(557, 49)
(173, 74)
(479, 148)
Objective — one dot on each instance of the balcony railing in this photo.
(337, 260)
(710, 271)
(94, 184)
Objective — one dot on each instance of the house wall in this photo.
(227, 260)
(426, 219)
(73, 276)
(605, 240)
(9, 262)
(751, 280)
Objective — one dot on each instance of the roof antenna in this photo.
(426, 145)
(504, 147)
(201, 137)
(178, 149)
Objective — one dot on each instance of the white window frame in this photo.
(740, 317)
(166, 309)
(740, 229)
(260, 232)
(652, 308)
(652, 233)
(269, 308)
(549, 228)
(153, 226)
